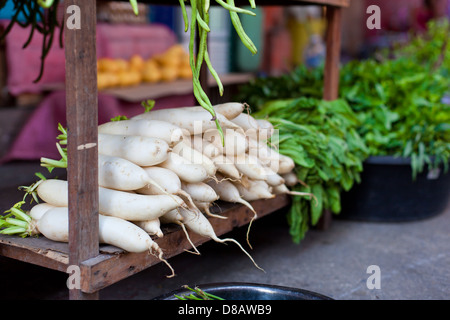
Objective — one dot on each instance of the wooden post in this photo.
(333, 42)
(331, 76)
(82, 124)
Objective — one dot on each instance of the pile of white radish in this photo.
(169, 166)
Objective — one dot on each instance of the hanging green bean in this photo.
(199, 22)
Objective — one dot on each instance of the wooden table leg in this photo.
(333, 55)
(82, 124)
(331, 76)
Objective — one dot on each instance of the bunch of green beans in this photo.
(200, 20)
(39, 20)
(41, 16)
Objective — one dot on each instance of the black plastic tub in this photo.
(387, 193)
(248, 291)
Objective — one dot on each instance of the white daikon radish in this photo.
(273, 178)
(235, 142)
(204, 146)
(290, 179)
(256, 190)
(38, 210)
(123, 234)
(230, 109)
(200, 191)
(143, 151)
(152, 227)
(121, 174)
(167, 180)
(184, 169)
(265, 130)
(246, 122)
(194, 122)
(164, 130)
(249, 166)
(121, 204)
(286, 164)
(226, 166)
(186, 151)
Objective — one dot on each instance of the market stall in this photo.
(102, 265)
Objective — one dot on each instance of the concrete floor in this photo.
(413, 259)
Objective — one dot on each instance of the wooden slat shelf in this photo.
(146, 91)
(102, 265)
(119, 264)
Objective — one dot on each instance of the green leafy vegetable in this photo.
(321, 137)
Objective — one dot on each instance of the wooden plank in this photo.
(104, 270)
(146, 91)
(82, 123)
(39, 251)
(332, 61)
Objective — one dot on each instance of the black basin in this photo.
(249, 291)
(387, 193)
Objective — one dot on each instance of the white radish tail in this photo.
(227, 191)
(205, 208)
(283, 189)
(175, 217)
(198, 223)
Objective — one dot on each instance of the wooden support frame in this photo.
(82, 135)
(332, 60)
(83, 249)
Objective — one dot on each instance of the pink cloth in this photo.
(23, 65)
(123, 41)
(38, 136)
